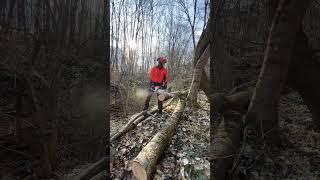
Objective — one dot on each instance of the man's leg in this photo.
(146, 103)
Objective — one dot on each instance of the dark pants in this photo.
(146, 104)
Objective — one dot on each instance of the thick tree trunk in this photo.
(304, 75)
(262, 112)
(226, 138)
(196, 79)
(225, 144)
(222, 67)
(205, 84)
(144, 164)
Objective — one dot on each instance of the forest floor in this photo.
(298, 157)
(186, 157)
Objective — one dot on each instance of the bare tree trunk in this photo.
(222, 67)
(303, 75)
(206, 3)
(262, 112)
(200, 48)
(196, 79)
(10, 13)
(224, 145)
(21, 6)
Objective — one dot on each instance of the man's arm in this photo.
(166, 79)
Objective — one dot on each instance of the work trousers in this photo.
(148, 98)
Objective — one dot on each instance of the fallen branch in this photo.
(243, 87)
(237, 102)
(144, 164)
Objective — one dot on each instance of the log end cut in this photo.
(139, 171)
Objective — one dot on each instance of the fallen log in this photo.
(135, 121)
(167, 97)
(94, 169)
(225, 144)
(174, 94)
(144, 164)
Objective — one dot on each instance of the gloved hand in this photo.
(164, 86)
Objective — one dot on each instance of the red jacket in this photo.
(159, 75)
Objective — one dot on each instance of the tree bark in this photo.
(144, 164)
(304, 74)
(225, 144)
(200, 48)
(196, 79)
(262, 112)
(222, 67)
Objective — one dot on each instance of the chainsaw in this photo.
(160, 92)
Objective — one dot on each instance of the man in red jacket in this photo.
(158, 77)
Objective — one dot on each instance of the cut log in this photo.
(135, 121)
(144, 164)
(174, 94)
(92, 170)
(225, 144)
